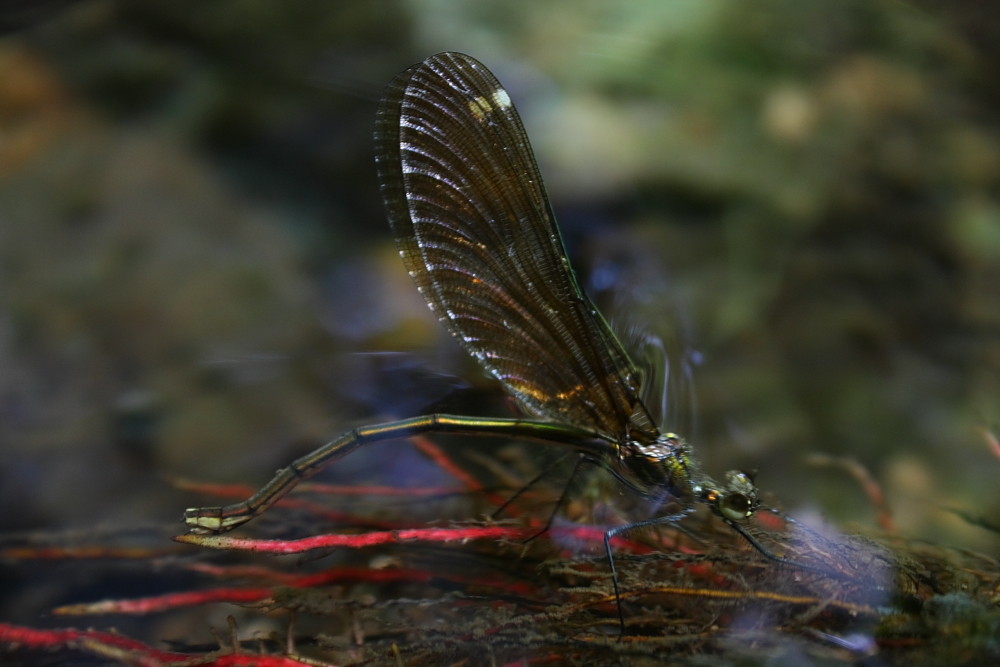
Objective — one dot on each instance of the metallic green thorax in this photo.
(665, 467)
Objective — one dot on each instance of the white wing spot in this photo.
(501, 98)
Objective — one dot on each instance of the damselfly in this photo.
(475, 229)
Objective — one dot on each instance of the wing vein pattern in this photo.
(475, 229)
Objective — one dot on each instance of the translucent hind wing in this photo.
(475, 229)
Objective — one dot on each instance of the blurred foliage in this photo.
(802, 198)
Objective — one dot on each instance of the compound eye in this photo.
(735, 506)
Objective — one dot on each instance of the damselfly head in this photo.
(736, 500)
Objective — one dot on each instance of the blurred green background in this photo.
(802, 198)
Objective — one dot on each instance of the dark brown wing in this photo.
(475, 229)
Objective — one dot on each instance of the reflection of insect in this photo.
(476, 232)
